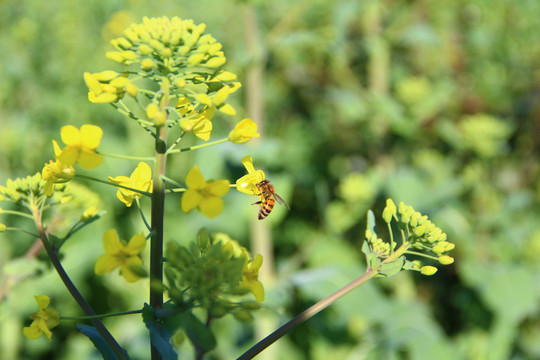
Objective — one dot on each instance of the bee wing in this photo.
(280, 200)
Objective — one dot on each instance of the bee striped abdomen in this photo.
(266, 207)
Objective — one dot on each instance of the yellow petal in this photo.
(91, 136)
(195, 179)
(69, 155)
(248, 164)
(111, 242)
(211, 206)
(88, 159)
(32, 332)
(126, 271)
(56, 147)
(190, 200)
(243, 132)
(106, 263)
(142, 173)
(257, 290)
(70, 135)
(219, 187)
(120, 180)
(247, 183)
(42, 301)
(203, 129)
(126, 196)
(136, 244)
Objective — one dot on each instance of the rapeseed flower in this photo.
(202, 194)
(118, 253)
(140, 179)
(44, 320)
(247, 184)
(244, 131)
(80, 146)
(56, 172)
(250, 277)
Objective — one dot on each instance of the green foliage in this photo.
(433, 103)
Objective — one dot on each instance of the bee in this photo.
(268, 193)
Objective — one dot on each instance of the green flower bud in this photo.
(147, 64)
(419, 230)
(145, 49)
(151, 110)
(243, 316)
(250, 305)
(129, 55)
(195, 59)
(428, 270)
(166, 53)
(106, 76)
(387, 215)
(216, 62)
(446, 260)
(115, 56)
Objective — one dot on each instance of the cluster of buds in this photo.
(108, 86)
(23, 190)
(212, 273)
(420, 237)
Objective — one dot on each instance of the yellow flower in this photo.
(250, 277)
(247, 184)
(140, 179)
(197, 121)
(203, 195)
(243, 132)
(56, 172)
(120, 254)
(44, 320)
(81, 146)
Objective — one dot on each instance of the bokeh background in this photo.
(432, 102)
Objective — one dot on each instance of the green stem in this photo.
(112, 184)
(195, 147)
(321, 305)
(22, 230)
(53, 256)
(170, 181)
(142, 214)
(18, 213)
(306, 315)
(101, 316)
(157, 213)
(141, 158)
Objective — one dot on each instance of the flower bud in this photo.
(446, 260)
(428, 270)
(216, 62)
(243, 132)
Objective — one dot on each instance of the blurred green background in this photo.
(434, 103)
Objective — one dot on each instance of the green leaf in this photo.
(392, 268)
(159, 335)
(104, 349)
(201, 336)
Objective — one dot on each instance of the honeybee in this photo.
(268, 193)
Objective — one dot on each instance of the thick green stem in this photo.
(53, 256)
(158, 210)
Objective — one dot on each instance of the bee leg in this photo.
(257, 203)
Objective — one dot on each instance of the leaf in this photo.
(159, 335)
(392, 268)
(101, 345)
(201, 336)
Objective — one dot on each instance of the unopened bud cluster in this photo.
(210, 273)
(108, 86)
(422, 236)
(23, 190)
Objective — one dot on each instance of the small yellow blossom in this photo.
(120, 254)
(80, 146)
(140, 179)
(44, 320)
(56, 172)
(206, 196)
(247, 184)
(243, 132)
(250, 277)
(197, 121)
